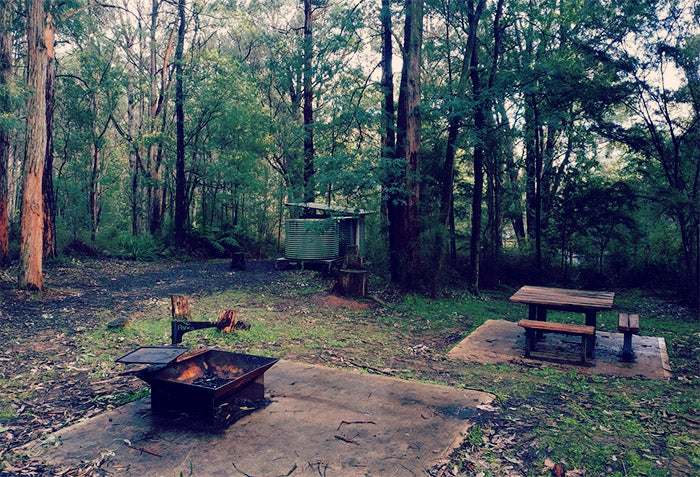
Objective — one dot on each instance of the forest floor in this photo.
(57, 362)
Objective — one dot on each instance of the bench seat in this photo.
(629, 325)
(533, 326)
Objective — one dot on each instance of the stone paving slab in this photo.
(321, 421)
(500, 341)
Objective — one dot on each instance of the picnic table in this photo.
(541, 299)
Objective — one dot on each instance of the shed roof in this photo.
(333, 209)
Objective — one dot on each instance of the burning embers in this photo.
(210, 384)
(209, 373)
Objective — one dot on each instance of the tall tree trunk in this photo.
(5, 78)
(388, 109)
(309, 182)
(388, 139)
(538, 186)
(477, 197)
(180, 199)
(135, 165)
(446, 216)
(405, 263)
(32, 216)
(94, 189)
(495, 147)
(47, 179)
(159, 100)
(456, 118)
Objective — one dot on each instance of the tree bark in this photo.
(309, 182)
(455, 123)
(158, 106)
(47, 178)
(477, 197)
(405, 262)
(497, 148)
(393, 177)
(5, 77)
(180, 199)
(32, 215)
(388, 139)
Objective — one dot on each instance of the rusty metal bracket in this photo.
(179, 328)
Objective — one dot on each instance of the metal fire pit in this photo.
(211, 384)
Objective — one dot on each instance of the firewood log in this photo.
(227, 321)
(181, 308)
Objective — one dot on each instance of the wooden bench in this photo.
(534, 326)
(629, 325)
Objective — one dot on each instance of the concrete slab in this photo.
(500, 341)
(320, 421)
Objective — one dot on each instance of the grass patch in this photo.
(7, 414)
(603, 425)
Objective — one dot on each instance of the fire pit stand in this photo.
(210, 384)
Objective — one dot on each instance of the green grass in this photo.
(7, 414)
(601, 424)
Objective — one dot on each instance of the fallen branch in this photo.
(240, 471)
(354, 422)
(290, 472)
(341, 438)
(376, 370)
(141, 449)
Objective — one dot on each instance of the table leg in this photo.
(532, 312)
(529, 341)
(591, 321)
(541, 315)
(532, 315)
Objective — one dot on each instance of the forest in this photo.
(493, 140)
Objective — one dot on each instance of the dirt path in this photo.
(44, 387)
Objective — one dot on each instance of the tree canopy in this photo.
(558, 137)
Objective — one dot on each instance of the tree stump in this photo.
(227, 321)
(353, 283)
(352, 259)
(237, 261)
(181, 308)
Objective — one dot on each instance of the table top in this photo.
(565, 298)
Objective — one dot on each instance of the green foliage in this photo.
(555, 78)
(118, 242)
(212, 242)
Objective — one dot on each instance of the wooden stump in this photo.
(227, 321)
(352, 259)
(237, 261)
(181, 308)
(353, 283)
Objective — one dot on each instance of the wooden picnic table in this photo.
(541, 299)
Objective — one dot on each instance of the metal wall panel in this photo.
(311, 239)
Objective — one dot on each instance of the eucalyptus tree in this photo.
(180, 185)
(662, 131)
(227, 138)
(47, 186)
(403, 213)
(570, 56)
(6, 11)
(32, 218)
(92, 77)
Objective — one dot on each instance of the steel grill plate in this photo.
(153, 355)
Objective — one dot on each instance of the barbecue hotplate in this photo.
(152, 355)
